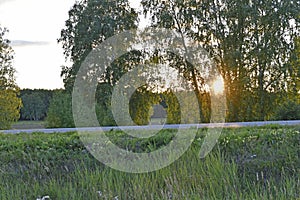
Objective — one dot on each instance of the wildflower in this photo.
(100, 193)
(44, 198)
(253, 156)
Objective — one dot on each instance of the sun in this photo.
(218, 85)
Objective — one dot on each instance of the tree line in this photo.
(255, 46)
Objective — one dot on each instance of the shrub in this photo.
(289, 110)
(104, 115)
(9, 108)
(60, 111)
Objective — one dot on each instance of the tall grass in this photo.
(69, 172)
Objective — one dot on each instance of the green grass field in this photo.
(29, 125)
(247, 163)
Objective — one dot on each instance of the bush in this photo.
(10, 105)
(60, 111)
(104, 115)
(289, 110)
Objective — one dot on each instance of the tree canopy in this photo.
(10, 103)
(250, 41)
(254, 44)
(90, 23)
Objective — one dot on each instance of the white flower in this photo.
(44, 198)
(100, 193)
(253, 156)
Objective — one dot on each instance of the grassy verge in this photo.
(29, 125)
(247, 163)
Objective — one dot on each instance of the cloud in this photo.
(5, 1)
(22, 43)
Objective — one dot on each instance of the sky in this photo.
(34, 27)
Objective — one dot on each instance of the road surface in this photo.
(156, 127)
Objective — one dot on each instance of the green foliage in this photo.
(293, 85)
(33, 107)
(10, 103)
(263, 152)
(253, 44)
(289, 110)
(60, 111)
(188, 107)
(140, 106)
(248, 42)
(90, 23)
(104, 115)
(35, 104)
(103, 108)
(7, 72)
(249, 163)
(173, 108)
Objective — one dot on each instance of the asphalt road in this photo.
(156, 127)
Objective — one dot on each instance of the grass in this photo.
(59, 166)
(29, 125)
(158, 121)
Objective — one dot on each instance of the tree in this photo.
(60, 111)
(10, 103)
(140, 106)
(103, 107)
(33, 107)
(274, 25)
(250, 41)
(35, 103)
(182, 17)
(288, 110)
(293, 82)
(90, 23)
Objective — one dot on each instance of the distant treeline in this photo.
(55, 107)
(35, 103)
